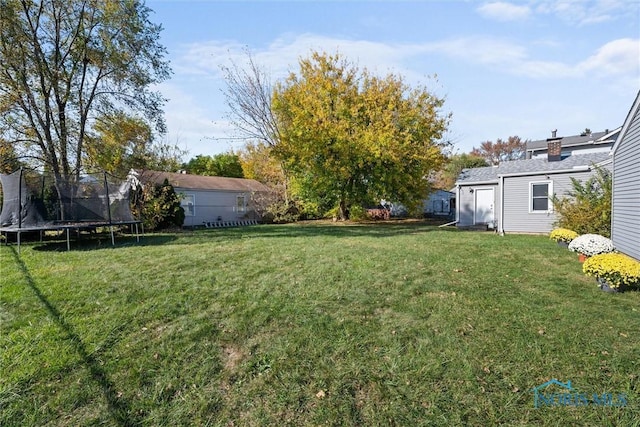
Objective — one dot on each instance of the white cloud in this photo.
(581, 12)
(617, 57)
(203, 61)
(283, 54)
(502, 11)
(483, 50)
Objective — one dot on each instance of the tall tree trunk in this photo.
(343, 211)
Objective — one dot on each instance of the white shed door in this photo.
(483, 213)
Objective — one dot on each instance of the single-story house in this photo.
(210, 200)
(440, 203)
(515, 196)
(625, 208)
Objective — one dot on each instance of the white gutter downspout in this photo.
(457, 203)
(501, 192)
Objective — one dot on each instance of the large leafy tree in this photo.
(258, 163)
(283, 203)
(352, 138)
(501, 151)
(9, 161)
(66, 63)
(224, 164)
(123, 142)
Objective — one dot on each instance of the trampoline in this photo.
(35, 202)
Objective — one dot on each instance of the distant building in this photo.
(585, 143)
(440, 203)
(212, 199)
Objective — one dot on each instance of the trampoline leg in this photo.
(137, 236)
(18, 243)
(113, 241)
(68, 242)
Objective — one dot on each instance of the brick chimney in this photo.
(554, 150)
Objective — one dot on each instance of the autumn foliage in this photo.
(350, 138)
(501, 151)
(587, 209)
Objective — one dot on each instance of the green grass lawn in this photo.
(398, 324)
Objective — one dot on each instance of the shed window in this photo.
(540, 193)
(188, 204)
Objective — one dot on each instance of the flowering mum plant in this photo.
(617, 269)
(591, 244)
(563, 235)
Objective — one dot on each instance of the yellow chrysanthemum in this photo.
(616, 268)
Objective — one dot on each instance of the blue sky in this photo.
(505, 68)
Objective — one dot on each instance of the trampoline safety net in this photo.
(32, 200)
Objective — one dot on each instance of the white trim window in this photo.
(188, 203)
(540, 193)
(241, 204)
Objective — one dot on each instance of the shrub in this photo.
(158, 206)
(563, 235)
(617, 269)
(588, 207)
(358, 213)
(591, 244)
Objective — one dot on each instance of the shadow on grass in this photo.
(92, 243)
(370, 229)
(118, 406)
(310, 229)
(305, 229)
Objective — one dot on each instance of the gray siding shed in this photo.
(511, 184)
(467, 202)
(625, 216)
(517, 215)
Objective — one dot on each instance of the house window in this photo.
(540, 196)
(240, 204)
(188, 203)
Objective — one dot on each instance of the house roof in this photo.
(594, 138)
(529, 166)
(199, 182)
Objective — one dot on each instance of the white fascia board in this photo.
(607, 137)
(477, 182)
(547, 172)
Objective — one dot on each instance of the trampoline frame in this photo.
(67, 226)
